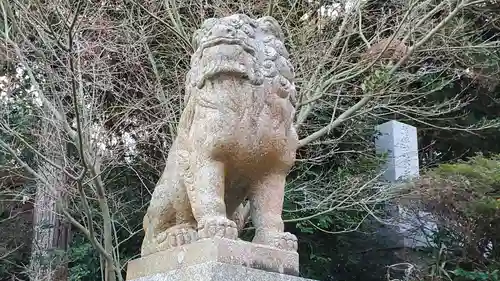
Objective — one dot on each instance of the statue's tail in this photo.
(241, 216)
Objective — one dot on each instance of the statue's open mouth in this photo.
(230, 62)
(227, 41)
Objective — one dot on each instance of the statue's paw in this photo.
(281, 240)
(222, 227)
(176, 236)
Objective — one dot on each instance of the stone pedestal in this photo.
(217, 259)
(217, 271)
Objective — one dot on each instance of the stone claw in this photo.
(281, 240)
(176, 236)
(217, 227)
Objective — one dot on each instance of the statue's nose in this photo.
(223, 31)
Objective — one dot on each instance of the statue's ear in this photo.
(271, 25)
(200, 32)
(195, 39)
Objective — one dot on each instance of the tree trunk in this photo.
(108, 243)
(50, 230)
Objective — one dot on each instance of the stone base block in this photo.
(214, 252)
(217, 271)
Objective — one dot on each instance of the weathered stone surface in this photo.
(235, 140)
(216, 271)
(227, 251)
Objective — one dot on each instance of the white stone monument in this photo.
(399, 142)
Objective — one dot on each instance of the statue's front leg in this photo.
(206, 195)
(266, 207)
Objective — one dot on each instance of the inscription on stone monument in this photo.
(399, 141)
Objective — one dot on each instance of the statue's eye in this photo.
(253, 23)
(248, 30)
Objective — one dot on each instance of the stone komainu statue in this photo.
(235, 140)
